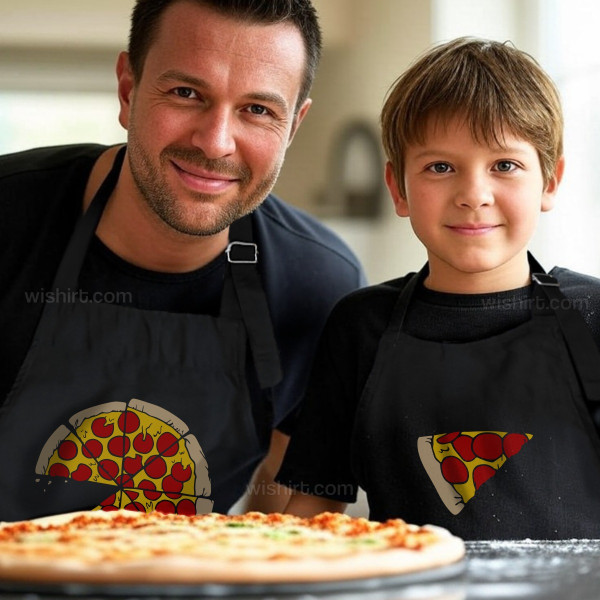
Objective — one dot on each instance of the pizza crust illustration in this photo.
(146, 452)
(459, 463)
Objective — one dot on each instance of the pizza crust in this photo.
(181, 569)
(449, 496)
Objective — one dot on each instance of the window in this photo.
(30, 119)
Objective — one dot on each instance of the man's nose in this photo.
(214, 133)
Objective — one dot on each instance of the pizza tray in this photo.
(216, 590)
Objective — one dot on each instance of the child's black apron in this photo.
(116, 407)
(533, 379)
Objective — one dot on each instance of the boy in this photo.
(463, 395)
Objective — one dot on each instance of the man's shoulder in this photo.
(291, 230)
(47, 159)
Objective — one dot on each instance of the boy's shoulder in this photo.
(377, 299)
(573, 283)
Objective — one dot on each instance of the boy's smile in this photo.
(474, 206)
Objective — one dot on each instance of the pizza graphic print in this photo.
(459, 463)
(141, 449)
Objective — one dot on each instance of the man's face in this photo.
(212, 115)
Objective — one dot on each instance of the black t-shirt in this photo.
(318, 459)
(305, 268)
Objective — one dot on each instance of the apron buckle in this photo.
(245, 253)
(544, 279)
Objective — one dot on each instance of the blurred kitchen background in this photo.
(57, 85)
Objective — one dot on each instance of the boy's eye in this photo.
(505, 166)
(440, 168)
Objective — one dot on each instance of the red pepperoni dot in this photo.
(481, 474)
(110, 500)
(448, 437)
(58, 470)
(82, 473)
(149, 489)
(133, 464)
(155, 467)
(132, 495)
(92, 449)
(109, 508)
(165, 506)
(101, 429)
(488, 446)
(119, 445)
(128, 422)
(180, 472)
(67, 450)
(135, 506)
(124, 480)
(186, 507)
(454, 471)
(108, 469)
(170, 484)
(143, 443)
(167, 444)
(513, 442)
(463, 444)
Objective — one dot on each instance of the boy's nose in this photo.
(214, 135)
(474, 192)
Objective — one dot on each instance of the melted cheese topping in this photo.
(128, 536)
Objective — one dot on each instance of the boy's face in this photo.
(475, 207)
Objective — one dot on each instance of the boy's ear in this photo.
(549, 195)
(392, 185)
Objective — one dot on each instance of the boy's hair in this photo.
(145, 20)
(495, 87)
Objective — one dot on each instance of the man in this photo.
(155, 350)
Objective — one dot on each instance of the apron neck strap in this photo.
(243, 295)
(70, 266)
(583, 349)
(245, 286)
(403, 301)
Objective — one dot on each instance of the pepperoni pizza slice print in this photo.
(459, 463)
(141, 449)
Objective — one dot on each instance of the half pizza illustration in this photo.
(459, 463)
(141, 449)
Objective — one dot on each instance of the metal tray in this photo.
(216, 590)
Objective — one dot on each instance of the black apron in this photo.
(505, 417)
(116, 407)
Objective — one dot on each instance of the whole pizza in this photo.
(158, 548)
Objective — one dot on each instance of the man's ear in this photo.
(126, 85)
(549, 195)
(298, 119)
(399, 200)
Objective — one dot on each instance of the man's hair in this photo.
(145, 21)
(497, 89)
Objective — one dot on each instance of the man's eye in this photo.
(184, 92)
(505, 166)
(258, 109)
(440, 168)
